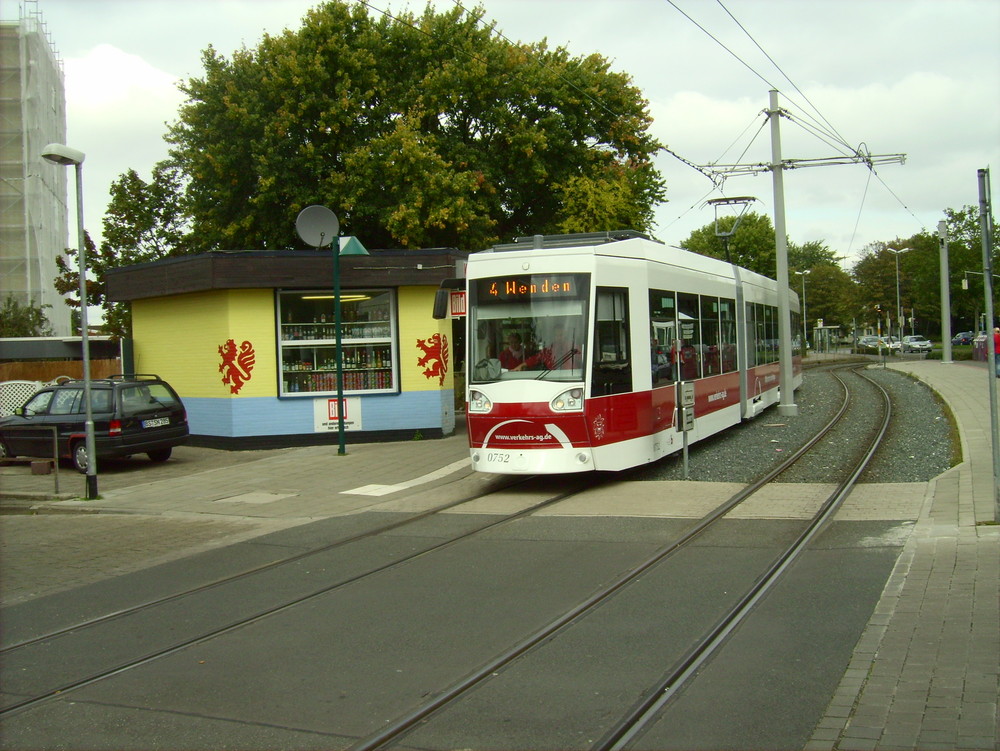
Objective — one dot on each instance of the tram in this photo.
(584, 350)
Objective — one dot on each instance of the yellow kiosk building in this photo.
(248, 340)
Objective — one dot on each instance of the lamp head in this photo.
(58, 153)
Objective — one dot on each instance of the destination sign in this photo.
(525, 287)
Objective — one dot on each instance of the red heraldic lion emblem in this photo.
(235, 366)
(434, 361)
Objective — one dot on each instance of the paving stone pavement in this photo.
(926, 672)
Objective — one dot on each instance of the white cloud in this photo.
(109, 82)
(117, 104)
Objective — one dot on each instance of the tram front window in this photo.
(528, 327)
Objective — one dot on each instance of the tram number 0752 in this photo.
(496, 458)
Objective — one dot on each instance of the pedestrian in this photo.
(996, 350)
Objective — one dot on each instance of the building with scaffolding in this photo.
(33, 208)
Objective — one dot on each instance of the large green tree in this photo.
(965, 261)
(920, 275)
(830, 293)
(417, 131)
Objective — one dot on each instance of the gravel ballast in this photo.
(918, 447)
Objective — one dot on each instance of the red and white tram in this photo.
(580, 346)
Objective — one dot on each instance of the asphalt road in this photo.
(337, 667)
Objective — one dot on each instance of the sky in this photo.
(887, 77)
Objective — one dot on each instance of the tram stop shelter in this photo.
(248, 340)
(825, 338)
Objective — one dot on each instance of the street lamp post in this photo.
(945, 293)
(58, 153)
(805, 318)
(899, 311)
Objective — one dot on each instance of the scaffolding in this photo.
(34, 215)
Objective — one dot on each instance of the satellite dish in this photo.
(317, 226)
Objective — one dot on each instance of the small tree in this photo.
(144, 222)
(23, 320)
(752, 246)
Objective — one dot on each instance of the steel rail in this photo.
(162, 652)
(131, 610)
(403, 724)
(644, 712)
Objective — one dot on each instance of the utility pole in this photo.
(777, 166)
(787, 405)
(986, 229)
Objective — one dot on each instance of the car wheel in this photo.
(5, 452)
(160, 455)
(78, 451)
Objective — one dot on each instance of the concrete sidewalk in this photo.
(148, 514)
(926, 672)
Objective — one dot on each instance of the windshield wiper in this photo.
(572, 353)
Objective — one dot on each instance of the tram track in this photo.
(632, 723)
(269, 566)
(656, 697)
(46, 640)
(442, 698)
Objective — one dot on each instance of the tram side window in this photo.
(762, 324)
(760, 315)
(727, 334)
(612, 361)
(771, 318)
(755, 335)
(691, 344)
(662, 333)
(711, 358)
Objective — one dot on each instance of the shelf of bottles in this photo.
(308, 342)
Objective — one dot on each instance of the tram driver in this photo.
(513, 353)
(561, 352)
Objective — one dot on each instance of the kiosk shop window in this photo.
(308, 337)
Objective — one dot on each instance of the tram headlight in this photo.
(568, 401)
(479, 402)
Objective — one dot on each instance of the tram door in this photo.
(612, 371)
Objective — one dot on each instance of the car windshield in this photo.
(528, 327)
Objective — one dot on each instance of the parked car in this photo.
(916, 343)
(133, 414)
(868, 342)
(878, 343)
(964, 337)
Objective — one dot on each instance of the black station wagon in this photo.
(133, 414)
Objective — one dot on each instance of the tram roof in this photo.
(578, 239)
(651, 250)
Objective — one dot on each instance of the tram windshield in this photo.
(528, 326)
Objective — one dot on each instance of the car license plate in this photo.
(156, 422)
